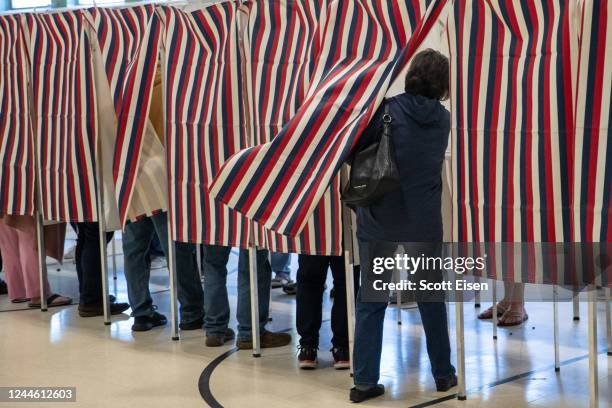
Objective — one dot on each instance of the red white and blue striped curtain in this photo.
(129, 43)
(530, 97)
(64, 114)
(16, 142)
(278, 37)
(205, 121)
(359, 49)
(512, 120)
(592, 193)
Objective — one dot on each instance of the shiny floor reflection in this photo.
(113, 367)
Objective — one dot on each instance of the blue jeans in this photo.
(137, 264)
(370, 317)
(280, 263)
(215, 285)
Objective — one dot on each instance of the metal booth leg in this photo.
(254, 302)
(173, 293)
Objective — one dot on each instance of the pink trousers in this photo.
(20, 261)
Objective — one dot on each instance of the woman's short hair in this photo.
(428, 75)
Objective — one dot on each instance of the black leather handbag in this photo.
(373, 170)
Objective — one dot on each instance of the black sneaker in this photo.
(194, 325)
(342, 360)
(307, 357)
(357, 395)
(445, 384)
(97, 309)
(146, 323)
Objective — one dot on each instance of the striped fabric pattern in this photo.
(359, 49)
(64, 114)
(204, 119)
(16, 143)
(129, 40)
(512, 120)
(593, 147)
(278, 37)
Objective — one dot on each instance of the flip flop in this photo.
(516, 316)
(50, 302)
(488, 314)
(23, 300)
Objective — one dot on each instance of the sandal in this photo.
(20, 300)
(488, 314)
(513, 318)
(54, 300)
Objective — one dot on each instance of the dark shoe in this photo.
(362, 395)
(146, 323)
(218, 341)
(195, 325)
(268, 340)
(96, 310)
(3, 288)
(307, 357)
(342, 360)
(445, 384)
(290, 288)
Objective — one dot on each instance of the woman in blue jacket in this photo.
(411, 214)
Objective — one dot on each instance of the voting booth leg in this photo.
(494, 310)
(104, 270)
(173, 295)
(350, 304)
(254, 302)
(398, 297)
(42, 261)
(556, 328)
(459, 330)
(592, 328)
(576, 305)
(114, 251)
(608, 322)
(477, 294)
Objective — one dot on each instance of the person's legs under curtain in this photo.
(243, 313)
(137, 265)
(311, 276)
(189, 285)
(89, 273)
(216, 303)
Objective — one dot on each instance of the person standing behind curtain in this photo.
(18, 245)
(420, 128)
(280, 267)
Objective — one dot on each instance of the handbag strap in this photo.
(387, 119)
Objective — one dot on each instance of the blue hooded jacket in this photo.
(420, 131)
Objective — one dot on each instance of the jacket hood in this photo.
(421, 109)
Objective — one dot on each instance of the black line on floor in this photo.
(506, 380)
(204, 381)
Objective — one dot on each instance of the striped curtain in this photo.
(278, 37)
(204, 119)
(359, 48)
(592, 193)
(16, 144)
(64, 114)
(129, 43)
(512, 120)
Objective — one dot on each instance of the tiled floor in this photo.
(113, 367)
